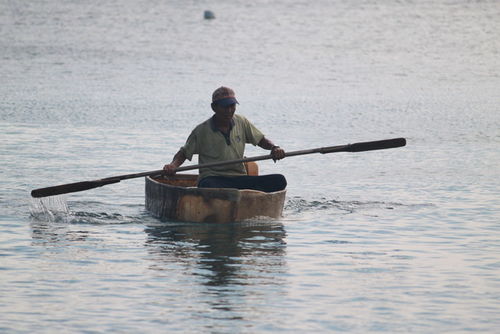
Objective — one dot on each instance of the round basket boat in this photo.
(177, 198)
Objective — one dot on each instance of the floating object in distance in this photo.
(209, 15)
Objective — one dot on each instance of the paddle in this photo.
(86, 185)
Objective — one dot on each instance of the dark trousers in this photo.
(266, 183)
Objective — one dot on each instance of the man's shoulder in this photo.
(238, 118)
(206, 124)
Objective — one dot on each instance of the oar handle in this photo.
(376, 145)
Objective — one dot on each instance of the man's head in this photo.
(223, 96)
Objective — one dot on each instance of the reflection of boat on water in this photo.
(222, 239)
(177, 197)
(223, 254)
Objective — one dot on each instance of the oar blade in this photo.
(376, 145)
(71, 188)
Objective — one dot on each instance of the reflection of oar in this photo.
(86, 185)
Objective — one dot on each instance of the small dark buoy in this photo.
(209, 15)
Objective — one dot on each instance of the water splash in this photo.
(55, 209)
(51, 209)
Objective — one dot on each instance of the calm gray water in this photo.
(403, 240)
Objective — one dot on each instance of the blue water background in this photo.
(403, 240)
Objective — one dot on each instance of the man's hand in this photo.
(178, 160)
(169, 169)
(277, 153)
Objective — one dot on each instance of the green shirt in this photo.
(212, 145)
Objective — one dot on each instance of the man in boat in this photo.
(223, 137)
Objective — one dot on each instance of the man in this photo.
(223, 137)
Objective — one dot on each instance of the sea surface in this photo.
(391, 241)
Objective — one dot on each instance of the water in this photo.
(402, 240)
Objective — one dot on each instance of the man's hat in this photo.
(224, 96)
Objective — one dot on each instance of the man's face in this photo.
(224, 113)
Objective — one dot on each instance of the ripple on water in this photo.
(297, 204)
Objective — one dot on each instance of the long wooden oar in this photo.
(86, 185)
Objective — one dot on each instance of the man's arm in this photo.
(276, 151)
(177, 161)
